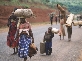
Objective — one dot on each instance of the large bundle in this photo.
(75, 23)
(80, 22)
(60, 8)
(54, 30)
(70, 19)
(23, 12)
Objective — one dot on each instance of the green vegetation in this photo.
(74, 6)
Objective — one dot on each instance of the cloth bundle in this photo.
(23, 13)
(70, 19)
(75, 23)
(80, 22)
(54, 30)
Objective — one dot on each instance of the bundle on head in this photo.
(60, 8)
(70, 19)
(23, 12)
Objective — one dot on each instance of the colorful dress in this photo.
(24, 41)
(11, 42)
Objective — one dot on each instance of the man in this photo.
(56, 19)
(48, 40)
(69, 30)
(12, 24)
(51, 18)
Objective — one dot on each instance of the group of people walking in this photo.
(19, 38)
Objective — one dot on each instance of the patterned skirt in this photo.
(23, 48)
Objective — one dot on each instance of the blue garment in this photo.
(48, 46)
(23, 48)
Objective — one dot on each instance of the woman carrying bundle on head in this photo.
(25, 36)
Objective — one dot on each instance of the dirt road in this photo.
(62, 49)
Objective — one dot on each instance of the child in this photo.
(48, 40)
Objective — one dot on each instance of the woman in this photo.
(11, 42)
(25, 37)
(62, 30)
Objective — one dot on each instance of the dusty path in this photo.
(62, 49)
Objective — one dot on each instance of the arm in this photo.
(9, 20)
(52, 35)
(31, 34)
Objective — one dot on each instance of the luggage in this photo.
(42, 47)
(23, 13)
(75, 23)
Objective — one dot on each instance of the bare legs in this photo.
(25, 58)
(15, 50)
(60, 37)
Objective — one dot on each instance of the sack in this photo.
(70, 19)
(23, 13)
(75, 23)
(42, 47)
(27, 13)
(54, 30)
(80, 22)
(32, 50)
(33, 46)
(18, 12)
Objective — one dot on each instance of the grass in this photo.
(26, 5)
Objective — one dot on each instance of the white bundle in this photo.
(75, 23)
(28, 12)
(19, 12)
(70, 19)
(80, 22)
(27, 31)
(23, 12)
(54, 30)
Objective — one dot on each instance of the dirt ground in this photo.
(42, 15)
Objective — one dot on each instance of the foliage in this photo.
(74, 6)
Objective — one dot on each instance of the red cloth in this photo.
(11, 42)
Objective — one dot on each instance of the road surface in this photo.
(62, 49)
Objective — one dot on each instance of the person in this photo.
(12, 24)
(48, 41)
(56, 19)
(62, 30)
(25, 37)
(51, 18)
(69, 30)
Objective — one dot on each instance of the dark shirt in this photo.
(48, 36)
